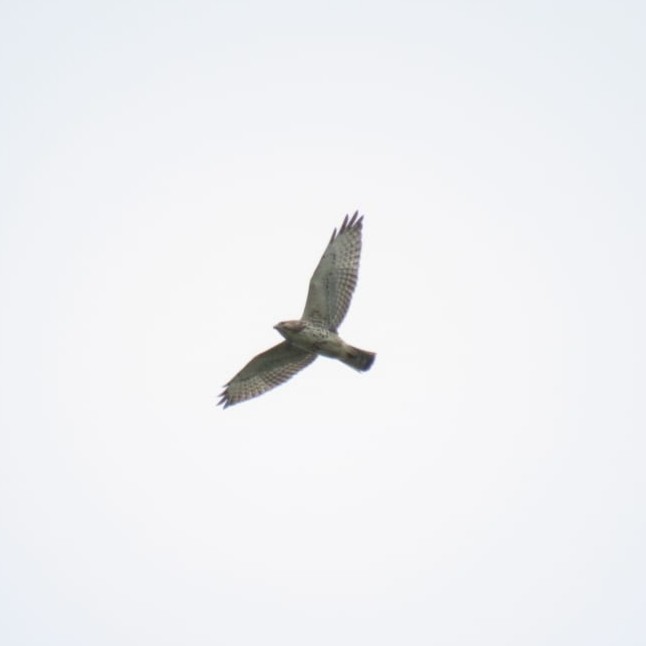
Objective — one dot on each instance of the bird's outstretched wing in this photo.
(264, 372)
(335, 278)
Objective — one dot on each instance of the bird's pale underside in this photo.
(315, 333)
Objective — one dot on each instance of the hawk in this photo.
(315, 333)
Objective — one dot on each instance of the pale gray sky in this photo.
(170, 175)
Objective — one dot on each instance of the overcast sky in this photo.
(170, 175)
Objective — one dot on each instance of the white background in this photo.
(170, 175)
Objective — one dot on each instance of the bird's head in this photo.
(289, 328)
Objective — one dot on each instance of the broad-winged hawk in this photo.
(315, 333)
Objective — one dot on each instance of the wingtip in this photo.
(353, 222)
(344, 224)
(225, 401)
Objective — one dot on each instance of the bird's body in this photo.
(313, 337)
(315, 333)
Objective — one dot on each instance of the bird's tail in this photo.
(358, 359)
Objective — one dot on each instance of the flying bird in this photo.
(315, 333)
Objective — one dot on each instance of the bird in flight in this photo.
(315, 333)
